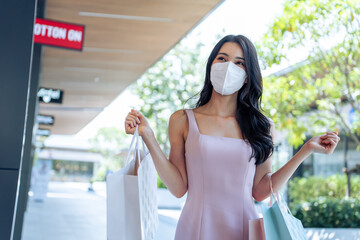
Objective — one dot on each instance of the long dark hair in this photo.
(254, 125)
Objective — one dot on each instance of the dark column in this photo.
(31, 126)
(16, 43)
(29, 145)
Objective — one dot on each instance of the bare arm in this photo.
(173, 171)
(261, 188)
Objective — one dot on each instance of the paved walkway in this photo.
(70, 212)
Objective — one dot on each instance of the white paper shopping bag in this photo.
(131, 199)
(147, 179)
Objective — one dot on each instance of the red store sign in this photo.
(59, 34)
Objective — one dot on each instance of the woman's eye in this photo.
(221, 58)
(240, 63)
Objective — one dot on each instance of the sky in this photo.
(249, 18)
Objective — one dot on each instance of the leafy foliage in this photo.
(319, 202)
(303, 190)
(329, 213)
(327, 80)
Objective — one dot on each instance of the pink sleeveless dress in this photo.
(219, 203)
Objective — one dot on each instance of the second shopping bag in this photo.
(279, 223)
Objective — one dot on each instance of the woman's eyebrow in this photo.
(228, 56)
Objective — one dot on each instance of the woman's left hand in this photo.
(325, 143)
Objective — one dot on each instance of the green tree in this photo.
(314, 94)
(168, 85)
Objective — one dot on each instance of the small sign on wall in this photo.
(43, 132)
(45, 119)
(49, 95)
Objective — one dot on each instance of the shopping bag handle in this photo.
(272, 194)
(131, 144)
(142, 141)
(136, 137)
(277, 196)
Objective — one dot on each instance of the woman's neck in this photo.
(222, 106)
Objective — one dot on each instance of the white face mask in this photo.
(227, 78)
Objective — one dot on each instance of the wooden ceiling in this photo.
(123, 38)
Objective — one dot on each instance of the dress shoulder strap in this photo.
(192, 121)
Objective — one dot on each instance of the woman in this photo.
(221, 150)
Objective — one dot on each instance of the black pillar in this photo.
(16, 44)
(30, 136)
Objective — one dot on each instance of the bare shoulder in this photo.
(178, 121)
(178, 117)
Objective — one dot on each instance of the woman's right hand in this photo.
(136, 118)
